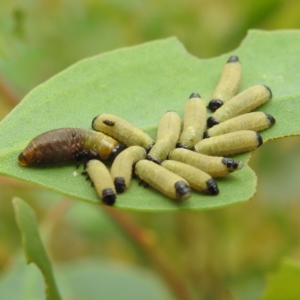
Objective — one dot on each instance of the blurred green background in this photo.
(221, 254)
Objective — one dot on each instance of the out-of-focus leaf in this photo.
(284, 283)
(33, 246)
(140, 84)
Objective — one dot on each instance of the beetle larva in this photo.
(121, 169)
(163, 180)
(241, 103)
(196, 178)
(68, 143)
(212, 165)
(122, 130)
(194, 122)
(228, 84)
(166, 138)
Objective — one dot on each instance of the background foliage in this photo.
(222, 254)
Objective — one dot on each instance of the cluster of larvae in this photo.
(177, 160)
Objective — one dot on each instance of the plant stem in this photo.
(9, 92)
(147, 242)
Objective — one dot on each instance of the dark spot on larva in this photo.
(271, 95)
(93, 122)
(180, 145)
(109, 122)
(182, 189)
(211, 121)
(120, 184)
(212, 187)
(149, 157)
(206, 135)
(195, 95)
(259, 139)
(271, 119)
(233, 58)
(214, 104)
(108, 196)
(117, 149)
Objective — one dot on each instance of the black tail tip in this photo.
(94, 121)
(211, 121)
(233, 58)
(194, 95)
(109, 197)
(214, 104)
(206, 135)
(259, 139)
(180, 145)
(271, 119)
(149, 157)
(270, 91)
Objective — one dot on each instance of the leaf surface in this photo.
(140, 84)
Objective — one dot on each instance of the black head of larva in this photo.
(206, 135)
(233, 58)
(212, 187)
(117, 149)
(259, 139)
(109, 197)
(148, 157)
(214, 104)
(271, 119)
(195, 95)
(271, 95)
(180, 145)
(120, 184)
(211, 121)
(182, 189)
(93, 122)
(232, 164)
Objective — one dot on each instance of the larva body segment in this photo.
(122, 130)
(194, 122)
(121, 169)
(213, 165)
(241, 103)
(255, 121)
(167, 136)
(102, 181)
(196, 178)
(230, 143)
(163, 180)
(64, 144)
(228, 84)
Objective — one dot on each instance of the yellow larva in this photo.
(214, 166)
(102, 181)
(196, 178)
(242, 103)
(122, 130)
(166, 138)
(256, 121)
(228, 84)
(163, 180)
(121, 169)
(194, 122)
(230, 143)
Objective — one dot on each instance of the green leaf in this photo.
(140, 84)
(284, 283)
(33, 246)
